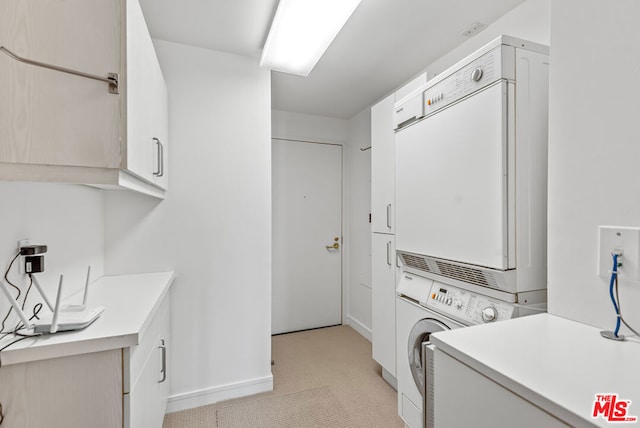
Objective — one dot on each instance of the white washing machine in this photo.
(424, 306)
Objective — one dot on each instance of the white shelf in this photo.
(130, 303)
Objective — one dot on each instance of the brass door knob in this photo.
(335, 246)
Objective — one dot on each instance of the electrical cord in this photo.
(26, 294)
(620, 311)
(615, 298)
(22, 337)
(6, 273)
(614, 276)
(36, 310)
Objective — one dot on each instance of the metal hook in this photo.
(111, 79)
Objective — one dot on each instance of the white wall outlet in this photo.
(20, 261)
(621, 239)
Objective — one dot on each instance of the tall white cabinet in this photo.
(59, 127)
(383, 240)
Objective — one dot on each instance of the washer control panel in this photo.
(468, 307)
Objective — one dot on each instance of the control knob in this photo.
(489, 314)
(458, 304)
(476, 74)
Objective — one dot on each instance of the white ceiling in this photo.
(385, 43)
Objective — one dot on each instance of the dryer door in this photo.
(417, 337)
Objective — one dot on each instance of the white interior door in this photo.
(307, 225)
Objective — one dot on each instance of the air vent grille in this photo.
(466, 274)
(416, 262)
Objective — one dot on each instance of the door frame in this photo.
(344, 271)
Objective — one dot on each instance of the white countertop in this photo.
(556, 364)
(130, 302)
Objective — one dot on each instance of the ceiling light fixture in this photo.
(301, 32)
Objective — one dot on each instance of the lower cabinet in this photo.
(463, 397)
(146, 380)
(78, 391)
(383, 296)
(115, 388)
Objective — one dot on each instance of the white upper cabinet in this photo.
(60, 127)
(382, 166)
(146, 103)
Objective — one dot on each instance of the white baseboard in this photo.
(215, 394)
(390, 379)
(359, 327)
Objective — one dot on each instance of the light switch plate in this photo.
(625, 239)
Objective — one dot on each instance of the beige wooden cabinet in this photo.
(60, 127)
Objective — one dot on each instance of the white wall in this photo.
(68, 219)
(307, 127)
(594, 150)
(529, 21)
(213, 228)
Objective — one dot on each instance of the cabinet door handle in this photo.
(389, 216)
(160, 146)
(389, 253)
(163, 371)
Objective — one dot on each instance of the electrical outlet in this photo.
(624, 240)
(20, 261)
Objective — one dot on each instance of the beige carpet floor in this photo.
(322, 378)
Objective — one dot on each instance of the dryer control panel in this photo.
(467, 307)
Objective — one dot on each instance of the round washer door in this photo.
(420, 334)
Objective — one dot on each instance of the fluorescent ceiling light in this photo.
(301, 32)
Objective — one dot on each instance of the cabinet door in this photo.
(164, 382)
(77, 391)
(144, 399)
(382, 166)
(52, 118)
(485, 403)
(383, 298)
(147, 383)
(161, 130)
(141, 58)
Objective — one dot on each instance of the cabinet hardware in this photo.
(364, 149)
(389, 253)
(389, 216)
(111, 79)
(160, 171)
(163, 371)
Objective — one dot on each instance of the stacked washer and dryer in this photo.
(471, 198)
